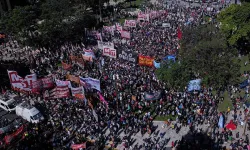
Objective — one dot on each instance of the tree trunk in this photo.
(8, 4)
(1, 9)
(100, 10)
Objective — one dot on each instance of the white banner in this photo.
(19, 83)
(107, 44)
(125, 34)
(166, 25)
(111, 52)
(60, 83)
(130, 23)
(91, 83)
(78, 90)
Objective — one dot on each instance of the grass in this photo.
(227, 102)
(165, 118)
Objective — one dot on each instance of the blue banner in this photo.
(170, 57)
(194, 85)
(157, 65)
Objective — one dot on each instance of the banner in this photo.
(66, 66)
(157, 65)
(91, 83)
(20, 84)
(9, 138)
(78, 90)
(194, 85)
(60, 92)
(109, 52)
(125, 34)
(166, 25)
(106, 44)
(37, 86)
(143, 17)
(102, 99)
(73, 78)
(152, 96)
(99, 36)
(78, 146)
(129, 56)
(60, 83)
(130, 23)
(87, 58)
(47, 82)
(89, 53)
(145, 61)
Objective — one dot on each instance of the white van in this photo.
(29, 113)
(7, 104)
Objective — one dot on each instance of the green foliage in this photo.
(235, 23)
(48, 24)
(204, 54)
(205, 51)
(174, 74)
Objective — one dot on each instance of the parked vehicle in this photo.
(29, 113)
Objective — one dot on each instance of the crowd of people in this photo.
(124, 84)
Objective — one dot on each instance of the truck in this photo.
(29, 113)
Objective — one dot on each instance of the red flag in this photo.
(179, 33)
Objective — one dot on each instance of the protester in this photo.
(120, 105)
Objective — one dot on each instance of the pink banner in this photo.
(130, 23)
(78, 146)
(125, 34)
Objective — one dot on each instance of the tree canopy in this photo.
(235, 23)
(49, 23)
(204, 54)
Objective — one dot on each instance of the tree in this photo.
(235, 23)
(174, 74)
(204, 54)
(48, 24)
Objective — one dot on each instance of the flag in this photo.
(102, 99)
(179, 33)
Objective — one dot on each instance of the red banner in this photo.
(146, 61)
(9, 138)
(47, 82)
(60, 92)
(36, 86)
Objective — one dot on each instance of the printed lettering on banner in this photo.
(109, 52)
(47, 83)
(130, 23)
(19, 83)
(107, 44)
(145, 61)
(127, 56)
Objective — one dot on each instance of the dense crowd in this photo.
(123, 85)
